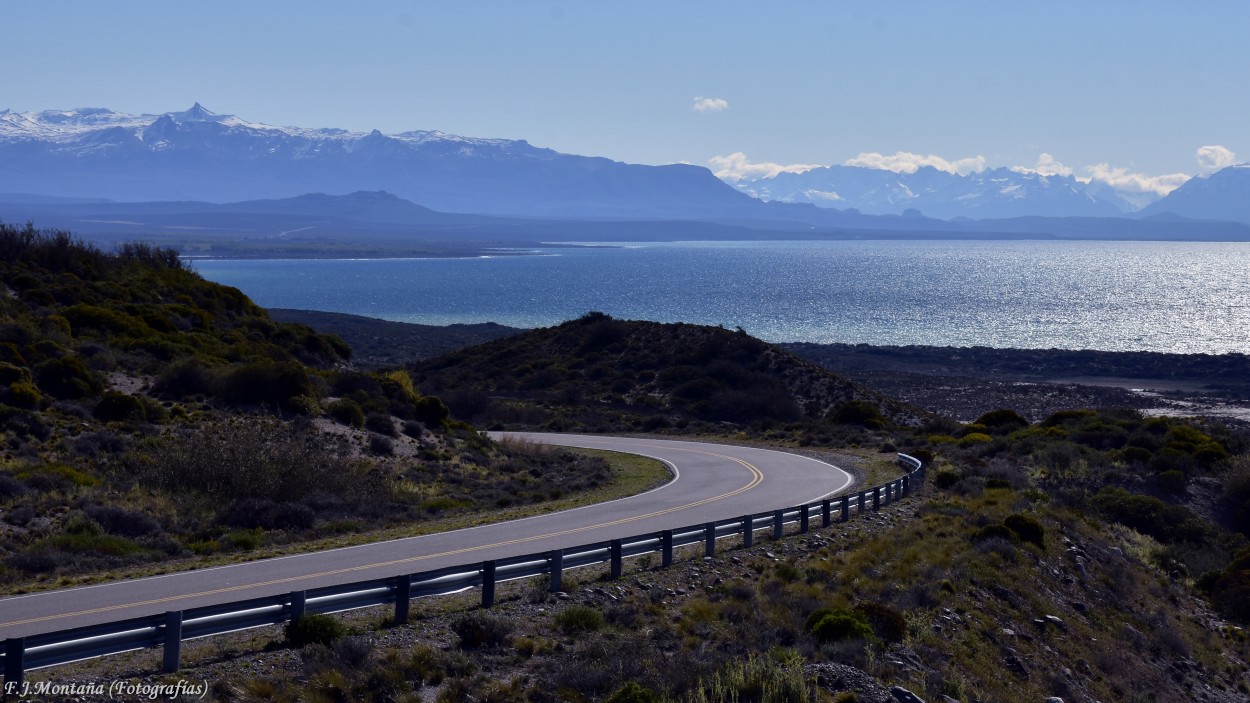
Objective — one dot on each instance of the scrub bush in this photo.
(314, 628)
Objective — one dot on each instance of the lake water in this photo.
(1121, 296)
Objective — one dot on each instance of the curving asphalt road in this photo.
(711, 482)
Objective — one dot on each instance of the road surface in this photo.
(711, 482)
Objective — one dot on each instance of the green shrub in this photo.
(314, 628)
(1172, 481)
(945, 479)
(23, 394)
(1027, 528)
(576, 619)
(887, 623)
(185, 378)
(66, 378)
(60, 474)
(1135, 456)
(975, 438)
(274, 383)
(381, 423)
(116, 406)
(347, 412)
(858, 412)
(90, 317)
(1148, 515)
(246, 540)
(479, 628)
(431, 411)
(13, 374)
(837, 625)
(1002, 421)
(380, 445)
(994, 532)
(633, 692)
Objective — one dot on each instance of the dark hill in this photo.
(599, 373)
(381, 343)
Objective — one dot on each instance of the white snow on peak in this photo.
(66, 125)
(71, 125)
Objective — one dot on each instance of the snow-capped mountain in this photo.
(1223, 195)
(993, 193)
(197, 154)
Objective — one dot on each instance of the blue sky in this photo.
(1134, 86)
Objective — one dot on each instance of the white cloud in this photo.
(702, 104)
(907, 162)
(736, 167)
(1046, 166)
(1214, 158)
(1120, 179)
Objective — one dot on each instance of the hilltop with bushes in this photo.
(149, 415)
(600, 374)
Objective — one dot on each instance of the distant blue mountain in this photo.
(1223, 195)
(200, 155)
(992, 193)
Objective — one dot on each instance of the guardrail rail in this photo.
(170, 629)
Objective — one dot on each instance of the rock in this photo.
(1056, 621)
(904, 696)
(837, 678)
(1054, 699)
(1015, 664)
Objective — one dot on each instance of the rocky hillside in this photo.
(596, 373)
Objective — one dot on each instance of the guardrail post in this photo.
(748, 530)
(614, 551)
(403, 598)
(876, 498)
(14, 665)
(173, 641)
(862, 498)
(666, 548)
(846, 508)
(779, 522)
(826, 518)
(557, 570)
(709, 539)
(889, 491)
(906, 485)
(488, 584)
(297, 605)
(804, 524)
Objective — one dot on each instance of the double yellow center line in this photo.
(757, 477)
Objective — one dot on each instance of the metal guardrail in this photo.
(170, 629)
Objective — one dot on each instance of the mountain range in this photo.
(95, 169)
(197, 154)
(993, 193)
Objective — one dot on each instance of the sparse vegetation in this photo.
(149, 416)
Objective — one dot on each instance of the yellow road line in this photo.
(757, 477)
